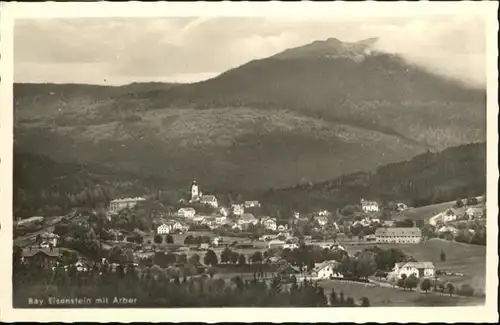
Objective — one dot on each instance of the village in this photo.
(362, 246)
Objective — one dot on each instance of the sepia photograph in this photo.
(260, 161)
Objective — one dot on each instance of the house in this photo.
(44, 257)
(170, 226)
(50, 238)
(204, 246)
(275, 243)
(324, 213)
(125, 203)
(269, 223)
(290, 246)
(198, 219)
(238, 209)
(473, 213)
(296, 215)
(388, 223)
(210, 200)
(216, 241)
(449, 216)
(282, 225)
(251, 204)
(447, 229)
(371, 237)
(210, 222)
(369, 206)
(327, 270)
(223, 211)
(186, 212)
(163, 229)
(401, 207)
(411, 235)
(247, 218)
(321, 220)
(221, 220)
(418, 269)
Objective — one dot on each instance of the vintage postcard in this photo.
(249, 162)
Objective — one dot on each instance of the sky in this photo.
(188, 49)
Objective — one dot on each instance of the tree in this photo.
(450, 288)
(225, 256)
(182, 259)
(210, 258)
(188, 240)
(459, 203)
(169, 239)
(234, 257)
(241, 259)
(256, 257)
(425, 285)
(194, 260)
(466, 290)
(116, 255)
(365, 302)
(365, 265)
(411, 282)
(158, 239)
(443, 256)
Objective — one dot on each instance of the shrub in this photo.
(466, 290)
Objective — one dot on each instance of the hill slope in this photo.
(309, 113)
(428, 178)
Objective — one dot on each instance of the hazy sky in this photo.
(124, 50)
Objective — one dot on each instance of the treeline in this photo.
(426, 179)
(151, 287)
(42, 186)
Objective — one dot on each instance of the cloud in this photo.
(162, 48)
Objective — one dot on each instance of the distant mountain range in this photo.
(310, 113)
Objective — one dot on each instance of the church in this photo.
(198, 197)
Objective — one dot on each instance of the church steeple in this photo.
(194, 191)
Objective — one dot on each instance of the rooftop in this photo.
(413, 231)
(32, 251)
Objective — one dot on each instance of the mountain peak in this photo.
(330, 48)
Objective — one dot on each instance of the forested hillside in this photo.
(428, 178)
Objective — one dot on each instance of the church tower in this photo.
(194, 191)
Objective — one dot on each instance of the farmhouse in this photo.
(221, 220)
(449, 216)
(369, 206)
(251, 204)
(126, 203)
(275, 243)
(411, 235)
(321, 220)
(327, 269)
(186, 212)
(247, 218)
(210, 200)
(418, 269)
(169, 227)
(40, 256)
(269, 223)
(474, 213)
(238, 209)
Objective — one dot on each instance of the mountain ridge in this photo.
(267, 123)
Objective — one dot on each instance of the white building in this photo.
(290, 246)
(223, 211)
(322, 220)
(221, 220)
(186, 212)
(327, 269)
(411, 235)
(238, 209)
(369, 206)
(163, 229)
(418, 269)
(269, 223)
(449, 216)
(251, 204)
(276, 243)
(195, 192)
(210, 200)
(125, 203)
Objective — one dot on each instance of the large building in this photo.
(126, 203)
(210, 200)
(369, 206)
(411, 235)
(418, 269)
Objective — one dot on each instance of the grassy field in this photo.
(460, 258)
(384, 297)
(426, 212)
